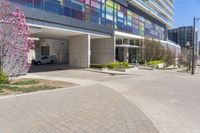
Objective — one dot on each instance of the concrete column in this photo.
(79, 51)
(142, 50)
(103, 50)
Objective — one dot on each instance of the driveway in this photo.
(89, 108)
(171, 100)
(141, 102)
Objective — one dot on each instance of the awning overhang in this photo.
(119, 34)
(41, 31)
(128, 46)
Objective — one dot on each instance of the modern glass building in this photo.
(96, 31)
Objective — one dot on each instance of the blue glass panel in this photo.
(66, 11)
(77, 14)
(77, 5)
(24, 2)
(52, 7)
(38, 4)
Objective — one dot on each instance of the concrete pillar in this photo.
(79, 51)
(103, 51)
(142, 50)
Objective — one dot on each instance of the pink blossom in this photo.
(17, 42)
(14, 14)
(1, 30)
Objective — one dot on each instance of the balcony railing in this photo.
(161, 8)
(154, 12)
(167, 6)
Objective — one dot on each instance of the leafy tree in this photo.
(14, 40)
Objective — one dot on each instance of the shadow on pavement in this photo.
(48, 67)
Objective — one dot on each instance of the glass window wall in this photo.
(104, 12)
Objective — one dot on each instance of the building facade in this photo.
(84, 32)
(182, 35)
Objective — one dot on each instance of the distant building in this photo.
(182, 35)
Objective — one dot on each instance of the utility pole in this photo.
(193, 47)
(194, 43)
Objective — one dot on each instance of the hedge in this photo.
(98, 66)
(115, 65)
(155, 62)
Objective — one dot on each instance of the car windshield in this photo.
(44, 57)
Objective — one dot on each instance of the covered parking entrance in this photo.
(77, 49)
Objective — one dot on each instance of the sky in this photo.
(184, 11)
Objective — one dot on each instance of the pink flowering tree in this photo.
(15, 42)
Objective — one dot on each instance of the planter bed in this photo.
(31, 85)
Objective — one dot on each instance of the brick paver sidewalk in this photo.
(88, 109)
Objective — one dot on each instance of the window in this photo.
(78, 9)
(96, 11)
(109, 12)
(104, 12)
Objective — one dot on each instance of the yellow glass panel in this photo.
(129, 13)
(109, 2)
(116, 5)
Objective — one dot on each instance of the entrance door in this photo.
(120, 54)
(133, 58)
(45, 50)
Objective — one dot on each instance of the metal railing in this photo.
(165, 12)
(154, 11)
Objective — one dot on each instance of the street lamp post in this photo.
(193, 47)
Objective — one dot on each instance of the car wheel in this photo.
(52, 62)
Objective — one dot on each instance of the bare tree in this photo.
(156, 51)
(153, 49)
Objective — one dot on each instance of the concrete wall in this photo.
(103, 51)
(58, 48)
(79, 51)
(31, 55)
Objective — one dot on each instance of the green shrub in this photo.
(111, 65)
(98, 66)
(3, 77)
(115, 65)
(123, 64)
(155, 62)
(118, 65)
(142, 62)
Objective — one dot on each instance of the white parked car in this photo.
(45, 59)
